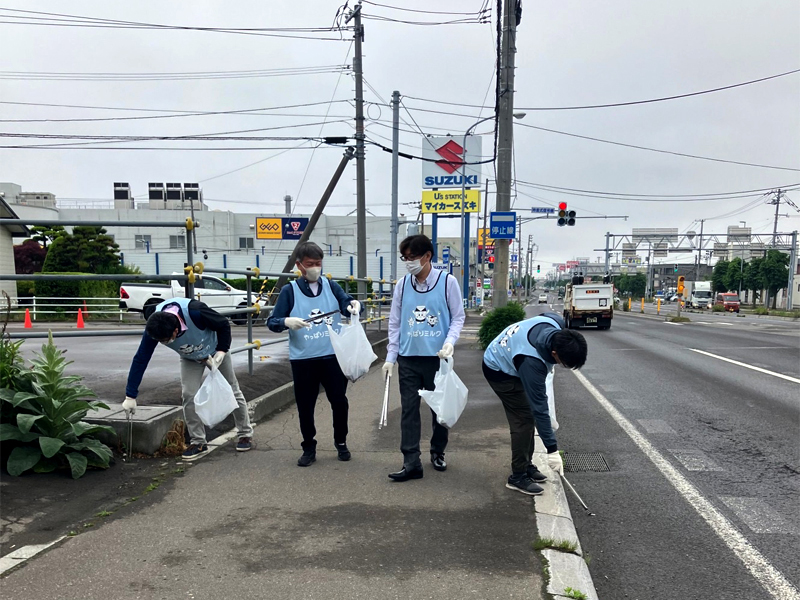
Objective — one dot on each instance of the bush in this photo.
(77, 289)
(26, 288)
(761, 310)
(717, 308)
(42, 410)
(497, 320)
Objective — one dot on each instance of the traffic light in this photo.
(681, 281)
(538, 268)
(675, 268)
(565, 217)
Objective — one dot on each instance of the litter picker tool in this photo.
(130, 438)
(572, 489)
(322, 316)
(385, 407)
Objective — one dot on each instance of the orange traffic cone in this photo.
(80, 319)
(28, 324)
(85, 310)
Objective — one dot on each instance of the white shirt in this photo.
(454, 303)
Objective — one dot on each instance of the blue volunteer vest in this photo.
(424, 318)
(512, 342)
(194, 343)
(316, 341)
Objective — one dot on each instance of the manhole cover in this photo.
(584, 461)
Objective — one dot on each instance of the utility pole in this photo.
(395, 150)
(485, 238)
(792, 271)
(519, 257)
(777, 202)
(505, 138)
(700, 249)
(361, 198)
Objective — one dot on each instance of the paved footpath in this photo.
(254, 525)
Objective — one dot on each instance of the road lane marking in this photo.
(656, 426)
(695, 460)
(770, 578)
(671, 323)
(711, 323)
(757, 515)
(741, 364)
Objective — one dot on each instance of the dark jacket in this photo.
(203, 317)
(533, 373)
(283, 306)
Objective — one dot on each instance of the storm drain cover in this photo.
(575, 462)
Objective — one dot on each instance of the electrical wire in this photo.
(428, 12)
(179, 76)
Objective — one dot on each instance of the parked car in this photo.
(729, 301)
(542, 298)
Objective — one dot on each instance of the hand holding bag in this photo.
(214, 400)
(352, 349)
(449, 396)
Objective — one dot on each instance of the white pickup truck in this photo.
(589, 304)
(144, 297)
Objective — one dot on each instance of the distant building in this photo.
(7, 234)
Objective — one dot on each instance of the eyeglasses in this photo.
(409, 258)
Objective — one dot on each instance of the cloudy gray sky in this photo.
(569, 53)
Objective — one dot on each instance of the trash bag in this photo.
(551, 400)
(214, 400)
(352, 349)
(449, 396)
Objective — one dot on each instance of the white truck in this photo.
(589, 304)
(698, 294)
(144, 297)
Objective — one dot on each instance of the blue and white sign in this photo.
(503, 225)
(446, 255)
(513, 258)
(543, 209)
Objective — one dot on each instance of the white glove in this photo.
(354, 308)
(446, 351)
(295, 323)
(215, 360)
(388, 369)
(129, 405)
(555, 462)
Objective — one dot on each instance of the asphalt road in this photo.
(726, 437)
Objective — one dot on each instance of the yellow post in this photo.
(629, 304)
(658, 306)
(642, 304)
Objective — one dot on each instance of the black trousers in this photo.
(520, 421)
(417, 373)
(308, 376)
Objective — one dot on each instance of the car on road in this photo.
(542, 298)
(728, 301)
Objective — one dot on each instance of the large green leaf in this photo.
(22, 458)
(21, 397)
(82, 428)
(12, 432)
(7, 394)
(46, 465)
(25, 422)
(77, 462)
(50, 446)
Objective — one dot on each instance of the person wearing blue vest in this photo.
(305, 307)
(202, 338)
(424, 324)
(516, 365)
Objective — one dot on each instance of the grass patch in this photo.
(560, 545)
(679, 319)
(576, 594)
(87, 525)
(72, 533)
(178, 471)
(152, 487)
(104, 513)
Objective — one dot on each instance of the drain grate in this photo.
(575, 462)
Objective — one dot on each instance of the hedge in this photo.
(90, 288)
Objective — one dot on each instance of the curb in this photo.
(554, 520)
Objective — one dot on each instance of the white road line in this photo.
(741, 364)
(711, 323)
(770, 578)
(671, 323)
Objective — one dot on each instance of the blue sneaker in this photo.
(244, 444)
(195, 451)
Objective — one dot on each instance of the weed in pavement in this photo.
(561, 545)
(576, 594)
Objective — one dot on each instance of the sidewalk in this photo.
(256, 525)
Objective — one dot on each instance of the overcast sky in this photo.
(569, 53)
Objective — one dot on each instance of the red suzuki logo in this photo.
(451, 152)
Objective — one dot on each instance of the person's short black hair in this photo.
(308, 250)
(161, 325)
(571, 348)
(416, 245)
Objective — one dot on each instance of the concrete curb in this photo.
(554, 520)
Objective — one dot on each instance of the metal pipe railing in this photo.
(51, 222)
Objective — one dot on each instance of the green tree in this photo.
(753, 278)
(47, 233)
(718, 276)
(775, 271)
(734, 275)
(635, 285)
(86, 250)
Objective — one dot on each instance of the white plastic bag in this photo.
(449, 396)
(352, 349)
(551, 400)
(214, 400)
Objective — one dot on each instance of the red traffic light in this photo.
(562, 206)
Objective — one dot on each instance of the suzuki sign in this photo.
(443, 164)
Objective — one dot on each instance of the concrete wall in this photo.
(7, 264)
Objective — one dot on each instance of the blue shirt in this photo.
(424, 317)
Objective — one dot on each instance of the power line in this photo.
(617, 104)
(428, 12)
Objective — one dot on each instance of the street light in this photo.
(464, 232)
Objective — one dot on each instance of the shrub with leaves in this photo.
(47, 408)
(497, 320)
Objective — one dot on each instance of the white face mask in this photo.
(414, 266)
(313, 273)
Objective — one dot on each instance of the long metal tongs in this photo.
(130, 438)
(385, 408)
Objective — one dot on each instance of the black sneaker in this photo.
(536, 474)
(195, 451)
(344, 453)
(309, 456)
(438, 461)
(525, 485)
(244, 444)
